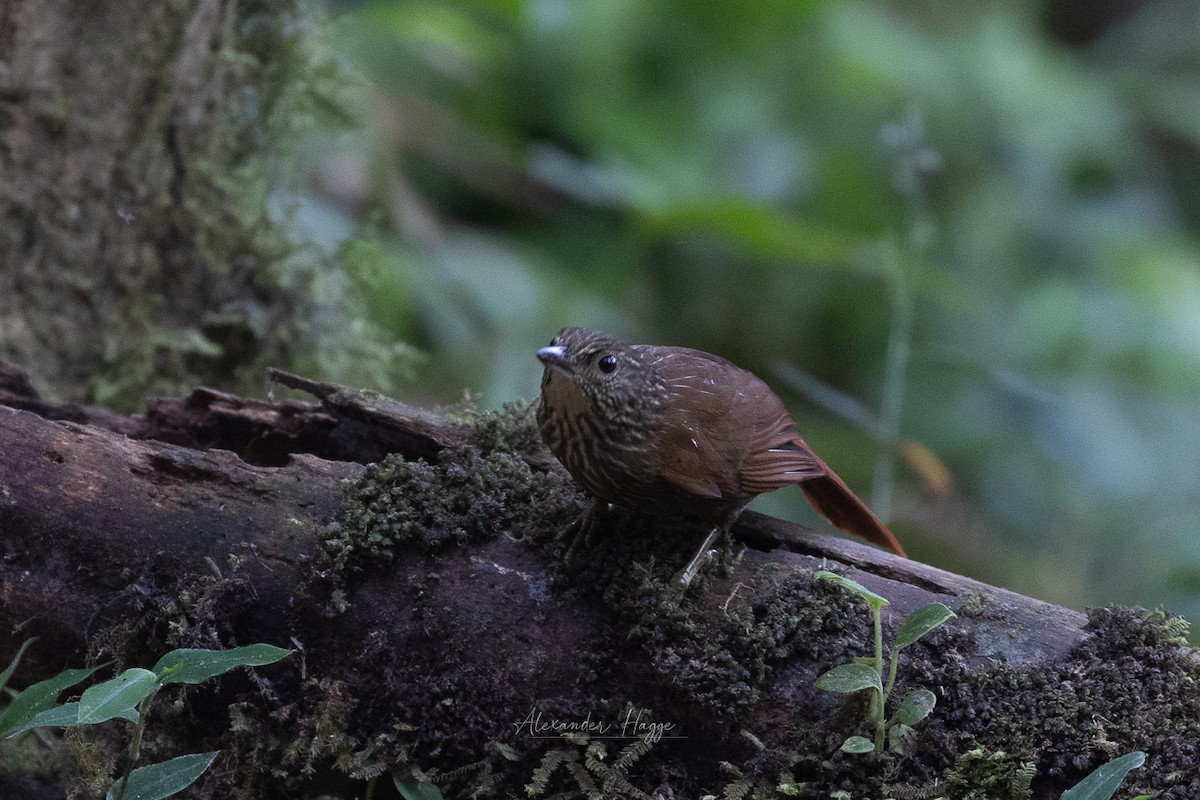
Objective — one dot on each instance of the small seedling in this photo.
(868, 673)
(129, 696)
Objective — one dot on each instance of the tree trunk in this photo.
(136, 246)
(461, 647)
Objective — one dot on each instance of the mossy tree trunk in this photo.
(135, 243)
(436, 633)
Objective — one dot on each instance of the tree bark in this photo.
(204, 523)
(135, 250)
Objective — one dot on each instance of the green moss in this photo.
(981, 774)
(512, 429)
(971, 606)
(1131, 685)
(721, 661)
(998, 733)
(471, 493)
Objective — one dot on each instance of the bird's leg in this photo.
(585, 528)
(718, 535)
(685, 576)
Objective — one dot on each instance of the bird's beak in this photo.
(555, 357)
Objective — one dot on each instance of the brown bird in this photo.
(643, 427)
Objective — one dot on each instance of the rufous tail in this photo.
(830, 495)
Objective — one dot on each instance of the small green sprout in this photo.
(868, 673)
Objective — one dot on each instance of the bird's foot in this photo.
(683, 579)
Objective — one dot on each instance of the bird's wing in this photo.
(779, 458)
(691, 458)
(727, 435)
(776, 455)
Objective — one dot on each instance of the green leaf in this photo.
(156, 781)
(37, 698)
(916, 706)
(849, 678)
(876, 601)
(921, 622)
(413, 789)
(12, 665)
(857, 744)
(196, 666)
(116, 696)
(65, 716)
(1106, 778)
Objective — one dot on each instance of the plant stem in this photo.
(877, 618)
(891, 681)
(877, 699)
(135, 746)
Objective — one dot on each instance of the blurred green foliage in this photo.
(985, 236)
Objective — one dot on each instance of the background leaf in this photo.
(916, 706)
(12, 665)
(413, 789)
(857, 744)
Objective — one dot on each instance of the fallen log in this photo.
(437, 635)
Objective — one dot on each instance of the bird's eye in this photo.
(607, 364)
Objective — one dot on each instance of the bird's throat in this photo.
(562, 394)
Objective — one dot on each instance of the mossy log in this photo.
(437, 634)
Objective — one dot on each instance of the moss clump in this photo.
(983, 774)
(1131, 685)
(720, 661)
(511, 429)
(471, 493)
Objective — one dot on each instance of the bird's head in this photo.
(588, 369)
